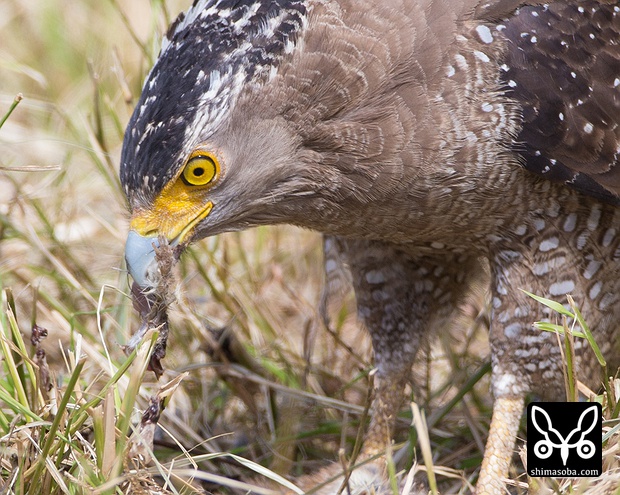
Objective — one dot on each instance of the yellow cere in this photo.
(181, 204)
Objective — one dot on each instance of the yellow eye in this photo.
(200, 169)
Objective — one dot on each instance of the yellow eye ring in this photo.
(200, 169)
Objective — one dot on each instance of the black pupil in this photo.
(199, 171)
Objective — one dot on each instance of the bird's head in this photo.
(198, 158)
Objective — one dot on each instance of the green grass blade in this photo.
(19, 97)
(553, 328)
(555, 306)
(587, 332)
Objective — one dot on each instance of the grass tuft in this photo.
(610, 480)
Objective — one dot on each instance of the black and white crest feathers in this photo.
(209, 55)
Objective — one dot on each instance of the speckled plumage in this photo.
(421, 136)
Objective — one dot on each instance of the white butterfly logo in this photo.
(554, 439)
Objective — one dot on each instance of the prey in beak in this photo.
(150, 261)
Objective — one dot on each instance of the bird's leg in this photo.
(525, 359)
(395, 318)
(388, 398)
(399, 298)
(507, 413)
(516, 349)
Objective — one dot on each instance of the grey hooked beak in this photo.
(140, 258)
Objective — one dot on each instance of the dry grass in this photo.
(254, 385)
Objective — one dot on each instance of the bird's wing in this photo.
(562, 65)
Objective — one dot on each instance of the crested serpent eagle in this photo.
(420, 137)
